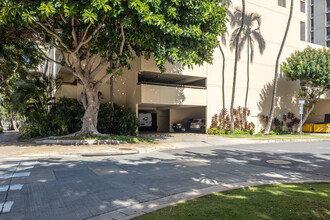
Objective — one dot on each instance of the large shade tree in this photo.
(312, 68)
(93, 35)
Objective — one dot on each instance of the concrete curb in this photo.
(292, 140)
(79, 142)
(150, 206)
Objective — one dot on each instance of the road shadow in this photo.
(86, 187)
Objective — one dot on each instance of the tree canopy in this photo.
(312, 68)
(17, 56)
(94, 34)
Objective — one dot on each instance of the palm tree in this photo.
(232, 126)
(223, 41)
(250, 35)
(272, 108)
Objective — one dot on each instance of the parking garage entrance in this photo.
(160, 118)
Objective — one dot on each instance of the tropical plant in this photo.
(312, 68)
(232, 125)
(250, 36)
(272, 107)
(17, 58)
(93, 35)
(283, 126)
(221, 122)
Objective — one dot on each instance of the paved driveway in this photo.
(86, 187)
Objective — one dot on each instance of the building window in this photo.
(312, 24)
(282, 3)
(312, 37)
(328, 43)
(302, 31)
(312, 11)
(302, 6)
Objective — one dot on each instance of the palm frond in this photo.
(260, 40)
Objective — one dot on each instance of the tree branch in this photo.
(123, 41)
(99, 67)
(90, 63)
(54, 35)
(83, 42)
(74, 34)
(43, 53)
(63, 19)
(107, 77)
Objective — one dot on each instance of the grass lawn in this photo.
(276, 137)
(128, 139)
(278, 201)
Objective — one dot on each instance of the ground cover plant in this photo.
(278, 201)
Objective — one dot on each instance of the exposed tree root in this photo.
(80, 133)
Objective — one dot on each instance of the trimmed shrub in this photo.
(65, 116)
(1, 130)
(117, 120)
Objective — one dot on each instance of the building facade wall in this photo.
(128, 93)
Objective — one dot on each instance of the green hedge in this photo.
(65, 116)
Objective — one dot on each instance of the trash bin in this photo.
(321, 128)
(308, 127)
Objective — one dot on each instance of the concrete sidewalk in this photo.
(10, 146)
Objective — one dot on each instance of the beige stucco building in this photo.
(181, 93)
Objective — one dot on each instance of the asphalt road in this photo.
(86, 187)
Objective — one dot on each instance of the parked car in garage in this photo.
(198, 125)
(182, 126)
(190, 125)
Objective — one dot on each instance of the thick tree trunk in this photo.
(248, 74)
(232, 125)
(272, 108)
(223, 76)
(91, 101)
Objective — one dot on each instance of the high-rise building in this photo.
(318, 12)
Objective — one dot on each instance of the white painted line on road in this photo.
(18, 168)
(7, 206)
(26, 163)
(4, 188)
(26, 167)
(12, 187)
(8, 175)
(21, 174)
